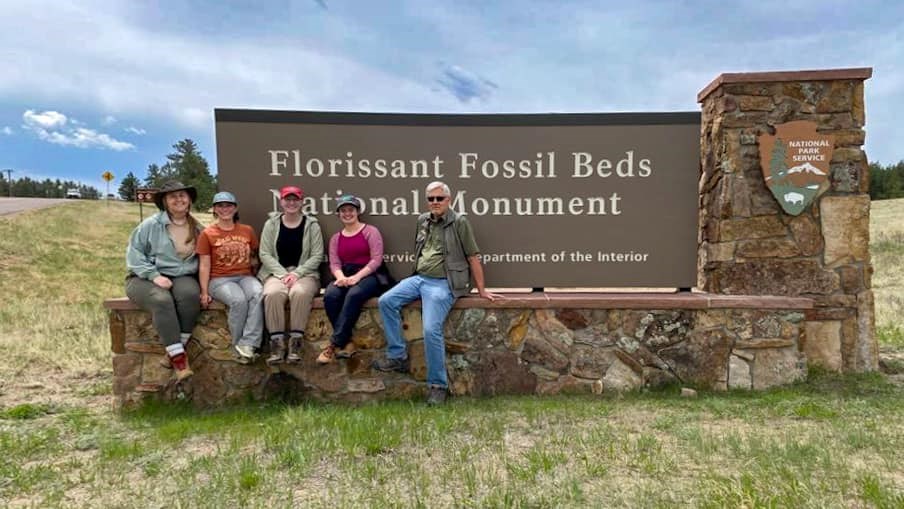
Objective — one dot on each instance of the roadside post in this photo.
(107, 176)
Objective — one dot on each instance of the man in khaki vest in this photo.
(446, 258)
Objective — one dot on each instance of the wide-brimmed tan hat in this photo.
(171, 187)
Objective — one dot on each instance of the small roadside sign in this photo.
(107, 176)
(145, 195)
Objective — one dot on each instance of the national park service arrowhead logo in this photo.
(795, 164)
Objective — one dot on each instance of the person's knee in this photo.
(160, 300)
(301, 295)
(275, 298)
(358, 296)
(231, 299)
(275, 292)
(386, 303)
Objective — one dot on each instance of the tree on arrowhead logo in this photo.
(795, 163)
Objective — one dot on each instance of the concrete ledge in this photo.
(542, 300)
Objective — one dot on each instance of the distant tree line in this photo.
(26, 187)
(886, 182)
(185, 164)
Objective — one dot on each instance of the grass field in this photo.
(829, 442)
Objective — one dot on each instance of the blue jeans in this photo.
(242, 295)
(436, 301)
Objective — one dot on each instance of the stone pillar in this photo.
(749, 246)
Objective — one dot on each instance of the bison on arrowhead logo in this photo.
(795, 164)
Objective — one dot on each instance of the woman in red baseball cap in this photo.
(291, 251)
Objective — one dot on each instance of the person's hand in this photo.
(342, 282)
(289, 279)
(205, 300)
(352, 280)
(490, 296)
(163, 282)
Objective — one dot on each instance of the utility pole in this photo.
(9, 181)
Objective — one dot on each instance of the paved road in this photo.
(15, 205)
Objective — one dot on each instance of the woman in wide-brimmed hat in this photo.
(228, 249)
(163, 271)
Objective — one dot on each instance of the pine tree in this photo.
(190, 167)
(128, 186)
(157, 175)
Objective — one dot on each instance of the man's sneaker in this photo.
(328, 355)
(387, 364)
(245, 354)
(436, 396)
(347, 351)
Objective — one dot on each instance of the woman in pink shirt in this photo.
(356, 254)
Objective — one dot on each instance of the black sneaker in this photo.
(387, 364)
(436, 396)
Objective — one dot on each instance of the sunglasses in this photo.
(436, 199)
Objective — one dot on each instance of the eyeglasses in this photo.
(436, 199)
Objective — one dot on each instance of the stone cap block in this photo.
(855, 73)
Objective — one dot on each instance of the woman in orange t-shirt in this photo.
(226, 250)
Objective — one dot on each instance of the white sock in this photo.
(183, 337)
(175, 349)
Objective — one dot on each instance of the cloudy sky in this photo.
(92, 86)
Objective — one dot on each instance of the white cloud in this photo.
(51, 126)
(135, 130)
(44, 120)
(7, 130)
(109, 120)
(133, 60)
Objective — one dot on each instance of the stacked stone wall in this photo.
(489, 352)
(749, 246)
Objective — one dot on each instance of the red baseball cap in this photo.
(290, 190)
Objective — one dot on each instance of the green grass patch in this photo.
(891, 335)
(26, 411)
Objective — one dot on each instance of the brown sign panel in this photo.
(795, 164)
(145, 195)
(560, 200)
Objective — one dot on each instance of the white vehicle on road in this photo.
(73, 193)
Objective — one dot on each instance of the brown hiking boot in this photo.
(328, 355)
(347, 351)
(295, 347)
(277, 351)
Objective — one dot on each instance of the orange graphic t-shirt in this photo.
(230, 251)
